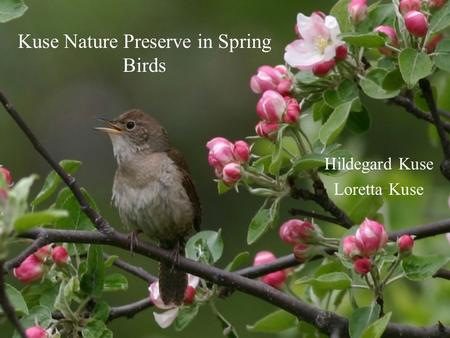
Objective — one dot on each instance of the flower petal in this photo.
(302, 55)
(166, 319)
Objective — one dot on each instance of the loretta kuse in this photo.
(366, 167)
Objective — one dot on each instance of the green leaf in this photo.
(96, 329)
(358, 121)
(93, 280)
(442, 59)
(372, 85)
(335, 123)
(101, 311)
(440, 20)
(275, 322)
(376, 329)
(239, 260)
(321, 111)
(11, 9)
(34, 219)
(331, 281)
(346, 91)
(310, 161)
(379, 14)
(340, 12)
(53, 181)
(414, 66)
(366, 40)
(393, 80)
(206, 240)
(258, 226)
(366, 206)
(185, 316)
(16, 299)
(418, 268)
(38, 314)
(222, 187)
(115, 282)
(361, 318)
(110, 261)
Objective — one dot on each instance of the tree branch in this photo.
(7, 307)
(427, 91)
(129, 310)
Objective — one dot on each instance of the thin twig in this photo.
(7, 307)
(134, 270)
(313, 214)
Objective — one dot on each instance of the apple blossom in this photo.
(36, 332)
(392, 40)
(409, 5)
(303, 251)
(231, 173)
(241, 151)
(60, 255)
(271, 106)
(295, 231)
(416, 23)
(43, 253)
(362, 265)
(266, 129)
(433, 43)
(271, 78)
(220, 152)
(3, 195)
(318, 43)
(370, 237)
(293, 109)
(30, 270)
(357, 10)
(274, 279)
(189, 295)
(6, 175)
(349, 247)
(323, 68)
(341, 53)
(405, 244)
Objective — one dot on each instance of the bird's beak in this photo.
(112, 127)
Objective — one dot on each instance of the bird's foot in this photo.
(133, 236)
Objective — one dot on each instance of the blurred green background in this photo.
(203, 94)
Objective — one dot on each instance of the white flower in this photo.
(318, 43)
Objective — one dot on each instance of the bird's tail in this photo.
(172, 282)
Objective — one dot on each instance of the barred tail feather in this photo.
(172, 282)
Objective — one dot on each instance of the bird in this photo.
(154, 192)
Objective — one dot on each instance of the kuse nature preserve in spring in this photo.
(225, 169)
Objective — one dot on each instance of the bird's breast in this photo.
(151, 197)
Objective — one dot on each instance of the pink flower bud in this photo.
(189, 295)
(266, 129)
(274, 279)
(362, 265)
(6, 175)
(60, 255)
(43, 253)
(323, 68)
(264, 257)
(241, 151)
(292, 110)
(220, 152)
(409, 5)
(405, 244)
(433, 43)
(231, 173)
(392, 38)
(341, 53)
(303, 251)
(30, 270)
(416, 23)
(271, 78)
(357, 10)
(349, 247)
(436, 3)
(296, 231)
(36, 332)
(271, 106)
(370, 237)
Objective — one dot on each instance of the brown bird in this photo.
(154, 192)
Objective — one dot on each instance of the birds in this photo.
(154, 192)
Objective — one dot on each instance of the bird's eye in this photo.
(131, 125)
